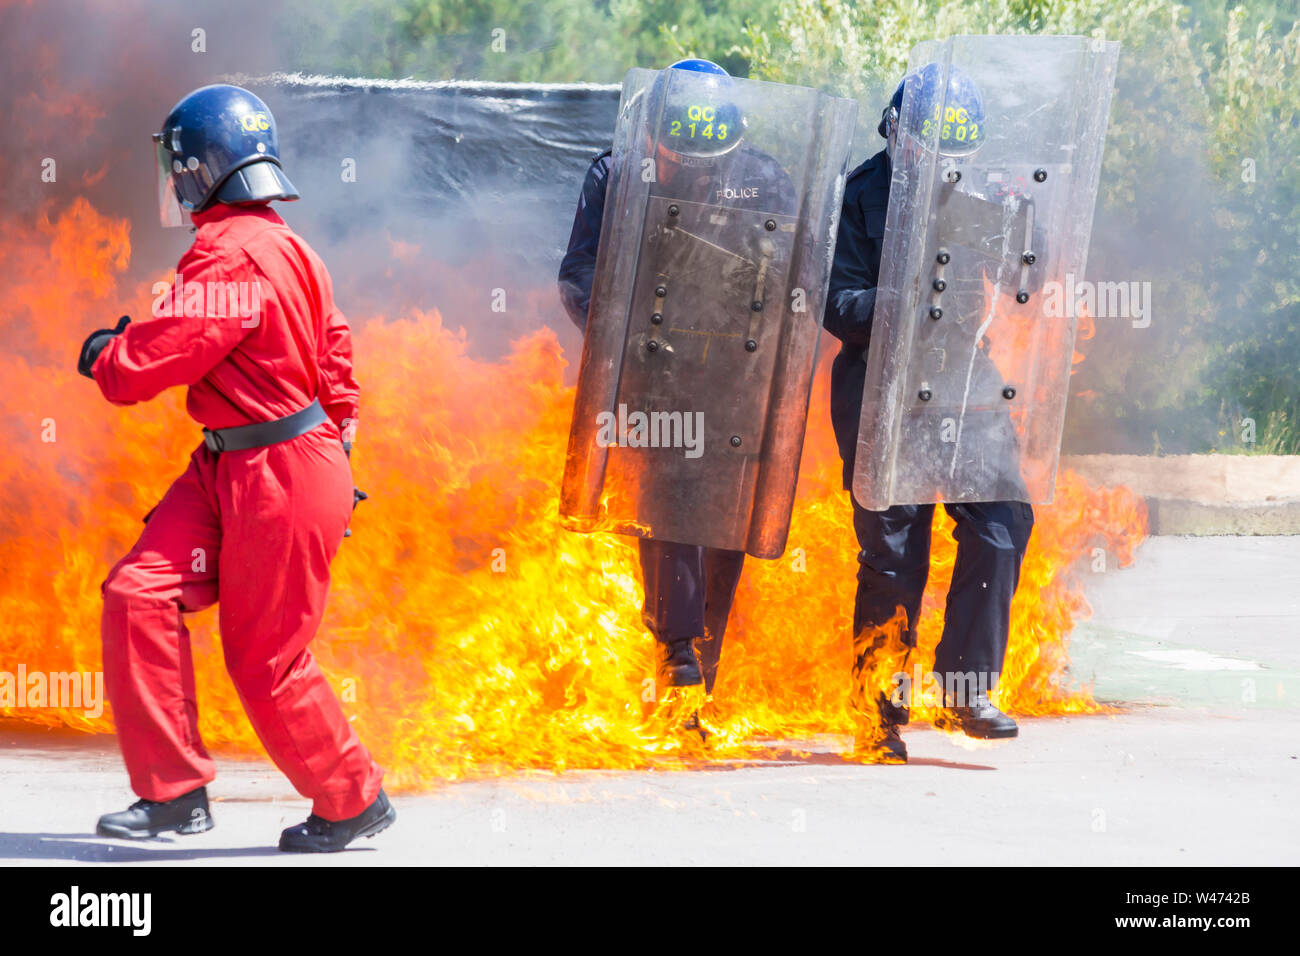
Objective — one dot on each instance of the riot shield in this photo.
(972, 341)
(711, 277)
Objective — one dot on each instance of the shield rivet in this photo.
(673, 210)
(735, 441)
(751, 345)
(1040, 175)
(1008, 393)
(953, 175)
(925, 395)
(652, 346)
(939, 285)
(943, 258)
(770, 225)
(1029, 258)
(1022, 296)
(657, 317)
(756, 305)
(936, 313)
(660, 291)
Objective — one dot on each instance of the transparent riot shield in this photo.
(972, 339)
(711, 278)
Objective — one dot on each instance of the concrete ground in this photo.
(1198, 640)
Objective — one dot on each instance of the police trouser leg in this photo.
(893, 567)
(991, 541)
(688, 593)
(721, 576)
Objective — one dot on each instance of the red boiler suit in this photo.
(254, 530)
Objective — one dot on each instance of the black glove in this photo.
(358, 496)
(95, 343)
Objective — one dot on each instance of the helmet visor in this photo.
(170, 212)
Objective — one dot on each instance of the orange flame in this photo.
(467, 632)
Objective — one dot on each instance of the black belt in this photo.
(243, 437)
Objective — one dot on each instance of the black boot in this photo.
(979, 719)
(188, 813)
(679, 666)
(319, 835)
(878, 738)
(880, 745)
(879, 655)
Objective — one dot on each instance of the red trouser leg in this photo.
(148, 672)
(284, 509)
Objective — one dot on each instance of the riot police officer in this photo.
(894, 559)
(688, 588)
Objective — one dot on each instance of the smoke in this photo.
(1153, 225)
(87, 83)
(455, 196)
(1197, 202)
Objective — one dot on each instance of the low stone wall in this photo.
(1205, 494)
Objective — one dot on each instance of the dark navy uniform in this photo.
(578, 268)
(688, 588)
(894, 562)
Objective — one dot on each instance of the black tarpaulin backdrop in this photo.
(461, 189)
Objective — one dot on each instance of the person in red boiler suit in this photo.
(251, 328)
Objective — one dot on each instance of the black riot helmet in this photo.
(218, 144)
